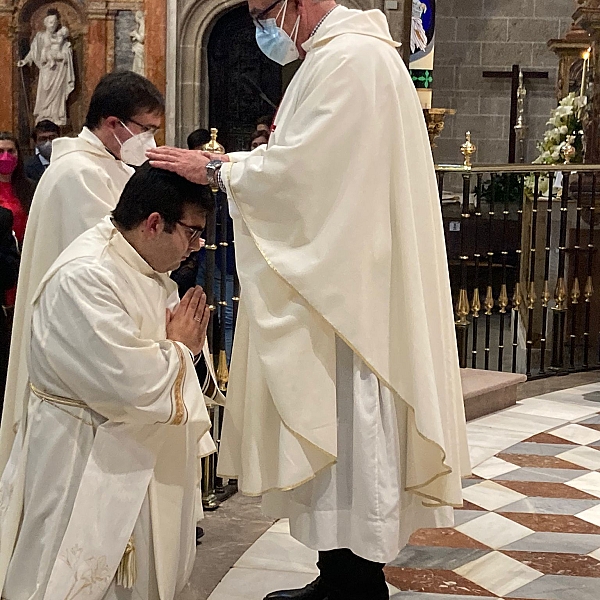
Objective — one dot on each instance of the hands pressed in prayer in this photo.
(190, 164)
(189, 320)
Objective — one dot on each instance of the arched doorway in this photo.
(244, 84)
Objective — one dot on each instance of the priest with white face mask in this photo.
(344, 407)
(98, 499)
(82, 185)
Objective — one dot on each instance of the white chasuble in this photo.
(337, 241)
(81, 186)
(110, 452)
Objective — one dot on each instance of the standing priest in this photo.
(344, 407)
(98, 496)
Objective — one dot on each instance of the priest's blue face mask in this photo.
(274, 42)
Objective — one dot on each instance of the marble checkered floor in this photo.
(529, 528)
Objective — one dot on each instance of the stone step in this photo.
(486, 392)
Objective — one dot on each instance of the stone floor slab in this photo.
(420, 557)
(539, 449)
(559, 587)
(553, 506)
(569, 543)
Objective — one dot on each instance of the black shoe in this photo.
(313, 591)
(199, 535)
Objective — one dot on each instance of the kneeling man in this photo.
(98, 497)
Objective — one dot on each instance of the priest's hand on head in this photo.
(190, 164)
(189, 320)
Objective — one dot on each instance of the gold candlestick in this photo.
(467, 150)
(435, 117)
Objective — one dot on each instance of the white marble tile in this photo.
(525, 423)
(279, 552)
(544, 406)
(494, 530)
(577, 434)
(595, 554)
(254, 584)
(583, 456)
(591, 515)
(493, 437)
(498, 573)
(281, 526)
(479, 454)
(491, 495)
(494, 467)
(589, 483)
(584, 389)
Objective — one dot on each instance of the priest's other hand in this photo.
(189, 320)
(190, 164)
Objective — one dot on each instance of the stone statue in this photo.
(418, 37)
(138, 36)
(52, 54)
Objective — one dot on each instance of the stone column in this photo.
(6, 68)
(95, 46)
(156, 47)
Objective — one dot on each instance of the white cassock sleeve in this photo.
(84, 339)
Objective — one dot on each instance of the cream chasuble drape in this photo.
(80, 481)
(81, 186)
(338, 237)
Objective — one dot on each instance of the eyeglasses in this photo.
(258, 17)
(144, 128)
(193, 233)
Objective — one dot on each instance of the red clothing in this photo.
(10, 201)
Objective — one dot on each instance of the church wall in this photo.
(477, 35)
(190, 25)
(99, 35)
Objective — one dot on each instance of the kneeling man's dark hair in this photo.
(154, 190)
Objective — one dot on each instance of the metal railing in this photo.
(522, 260)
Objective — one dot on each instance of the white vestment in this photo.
(81, 186)
(337, 242)
(81, 481)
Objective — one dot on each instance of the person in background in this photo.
(43, 134)
(16, 192)
(9, 271)
(264, 123)
(258, 138)
(198, 138)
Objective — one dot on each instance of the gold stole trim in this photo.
(180, 408)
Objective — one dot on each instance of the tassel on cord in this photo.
(127, 571)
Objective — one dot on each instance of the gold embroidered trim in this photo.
(180, 408)
(58, 401)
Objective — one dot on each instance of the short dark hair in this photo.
(123, 94)
(265, 120)
(198, 138)
(154, 190)
(44, 126)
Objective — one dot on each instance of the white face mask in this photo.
(133, 150)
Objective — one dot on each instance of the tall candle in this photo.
(584, 72)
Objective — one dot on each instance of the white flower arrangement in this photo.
(565, 121)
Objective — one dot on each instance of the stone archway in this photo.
(190, 23)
